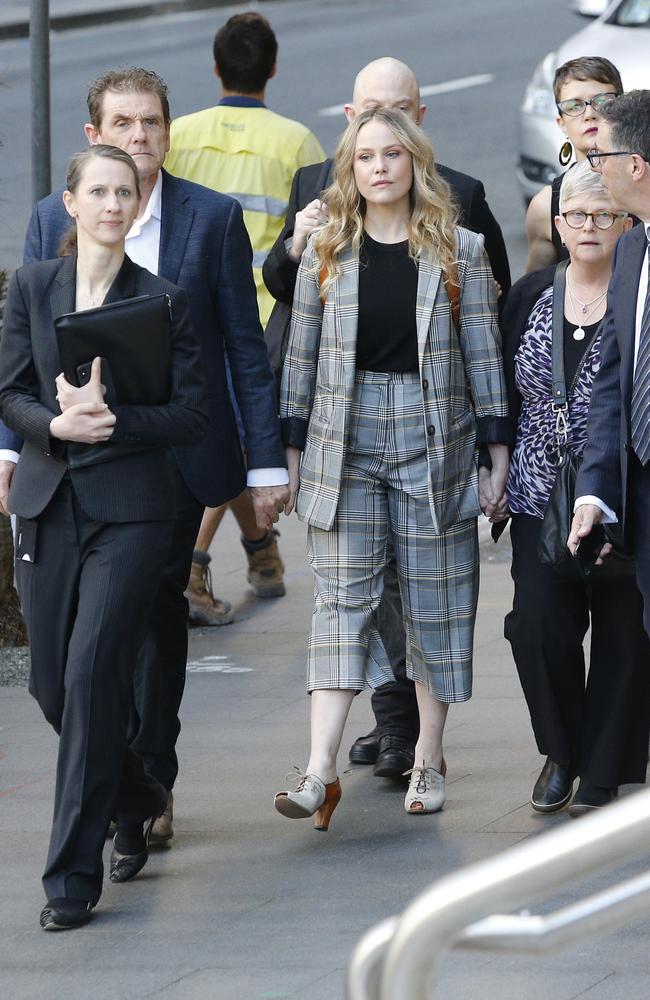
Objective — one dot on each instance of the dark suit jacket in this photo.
(279, 271)
(604, 469)
(204, 248)
(131, 488)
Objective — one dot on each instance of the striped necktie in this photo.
(641, 388)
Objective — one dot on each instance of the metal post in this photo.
(39, 60)
(398, 958)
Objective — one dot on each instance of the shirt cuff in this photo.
(609, 518)
(7, 455)
(267, 477)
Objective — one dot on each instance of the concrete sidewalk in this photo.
(67, 14)
(249, 906)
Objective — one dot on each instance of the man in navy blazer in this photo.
(195, 238)
(614, 479)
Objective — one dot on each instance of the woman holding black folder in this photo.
(91, 538)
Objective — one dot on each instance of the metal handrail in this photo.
(399, 958)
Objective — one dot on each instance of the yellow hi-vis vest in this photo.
(251, 154)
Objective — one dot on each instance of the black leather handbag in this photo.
(556, 526)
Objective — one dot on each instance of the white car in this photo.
(590, 8)
(622, 35)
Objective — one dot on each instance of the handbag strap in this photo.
(559, 393)
(557, 336)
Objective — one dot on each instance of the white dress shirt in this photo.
(609, 517)
(143, 247)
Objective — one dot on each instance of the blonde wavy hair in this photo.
(434, 213)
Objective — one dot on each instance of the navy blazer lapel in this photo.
(176, 218)
(64, 290)
(633, 246)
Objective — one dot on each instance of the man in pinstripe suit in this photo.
(614, 479)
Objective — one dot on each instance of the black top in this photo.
(561, 251)
(575, 350)
(387, 332)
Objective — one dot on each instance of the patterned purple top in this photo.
(532, 467)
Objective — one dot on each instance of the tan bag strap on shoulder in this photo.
(452, 287)
(322, 278)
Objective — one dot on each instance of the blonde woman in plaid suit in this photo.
(383, 405)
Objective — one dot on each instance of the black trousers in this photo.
(601, 726)
(86, 594)
(159, 679)
(394, 705)
(639, 517)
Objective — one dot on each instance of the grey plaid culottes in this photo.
(384, 488)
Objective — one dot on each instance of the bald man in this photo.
(384, 83)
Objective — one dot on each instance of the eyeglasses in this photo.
(574, 108)
(601, 220)
(595, 156)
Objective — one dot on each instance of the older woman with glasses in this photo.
(581, 88)
(598, 730)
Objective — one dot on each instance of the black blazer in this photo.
(205, 250)
(279, 271)
(130, 488)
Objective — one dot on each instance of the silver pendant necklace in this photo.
(579, 333)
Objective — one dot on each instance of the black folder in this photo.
(133, 339)
(134, 336)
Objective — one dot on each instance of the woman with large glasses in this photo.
(582, 87)
(597, 731)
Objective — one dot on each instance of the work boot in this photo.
(205, 608)
(265, 567)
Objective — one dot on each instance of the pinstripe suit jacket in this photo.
(319, 372)
(205, 250)
(604, 469)
(134, 487)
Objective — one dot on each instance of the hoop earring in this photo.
(566, 153)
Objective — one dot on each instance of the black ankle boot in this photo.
(553, 788)
(590, 797)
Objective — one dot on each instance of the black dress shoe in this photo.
(365, 749)
(590, 797)
(396, 755)
(63, 913)
(553, 788)
(130, 850)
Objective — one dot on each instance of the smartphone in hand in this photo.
(83, 377)
(588, 549)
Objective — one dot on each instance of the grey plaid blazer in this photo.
(319, 372)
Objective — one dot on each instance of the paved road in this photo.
(249, 906)
(321, 46)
